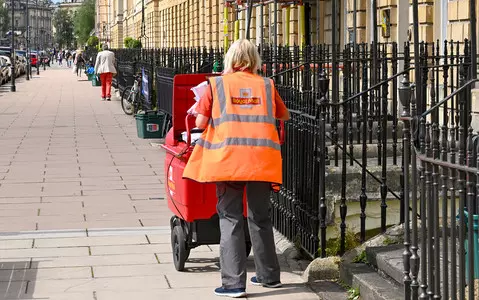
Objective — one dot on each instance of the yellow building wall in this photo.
(193, 23)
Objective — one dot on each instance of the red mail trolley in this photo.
(195, 221)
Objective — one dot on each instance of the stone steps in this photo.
(371, 285)
(358, 130)
(378, 278)
(372, 149)
(387, 259)
(384, 264)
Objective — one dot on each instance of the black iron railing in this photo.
(356, 113)
(441, 169)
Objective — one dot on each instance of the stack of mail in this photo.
(199, 91)
(194, 136)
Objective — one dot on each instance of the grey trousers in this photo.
(232, 243)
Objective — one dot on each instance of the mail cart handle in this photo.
(188, 131)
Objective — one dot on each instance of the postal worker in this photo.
(240, 149)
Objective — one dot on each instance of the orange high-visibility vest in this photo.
(241, 141)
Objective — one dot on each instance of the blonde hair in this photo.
(241, 56)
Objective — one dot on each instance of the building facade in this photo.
(70, 5)
(40, 14)
(193, 23)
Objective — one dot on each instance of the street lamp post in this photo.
(44, 4)
(36, 37)
(28, 40)
(12, 53)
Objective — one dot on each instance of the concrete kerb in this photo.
(330, 268)
(289, 251)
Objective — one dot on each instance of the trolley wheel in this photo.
(248, 248)
(178, 245)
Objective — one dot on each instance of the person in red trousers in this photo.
(105, 67)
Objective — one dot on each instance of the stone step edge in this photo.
(378, 261)
(371, 285)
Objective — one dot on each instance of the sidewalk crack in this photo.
(167, 282)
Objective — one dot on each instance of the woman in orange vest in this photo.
(240, 148)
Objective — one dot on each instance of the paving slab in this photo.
(91, 241)
(32, 295)
(84, 261)
(45, 274)
(39, 234)
(38, 253)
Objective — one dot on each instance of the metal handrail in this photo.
(427, 112)
(377, 85)
(361, 165)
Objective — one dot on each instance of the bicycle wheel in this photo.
(126, 103)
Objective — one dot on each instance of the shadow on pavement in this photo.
(288, 288)
(15, 277)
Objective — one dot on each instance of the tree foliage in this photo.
(127, 41)
(4, 17)
(84, 21)
(92, 41)
(62, 20)
(132, 43)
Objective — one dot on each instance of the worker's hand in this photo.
(201, 121)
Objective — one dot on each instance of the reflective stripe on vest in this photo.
(225, 117)
(239, 142)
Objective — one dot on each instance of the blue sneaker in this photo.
(273, 285)
(232, 293)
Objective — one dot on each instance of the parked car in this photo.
(9, 66)
(3, 70)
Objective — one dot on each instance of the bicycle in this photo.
(132, 99)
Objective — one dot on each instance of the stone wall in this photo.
(195, 23)
(458, 14)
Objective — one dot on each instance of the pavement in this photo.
(82, 208)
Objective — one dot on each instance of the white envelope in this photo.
(199, 91)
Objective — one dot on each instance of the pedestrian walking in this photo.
(68, 57)
(240, 151)
(60, 58)
(79, 63)
(105, 67)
